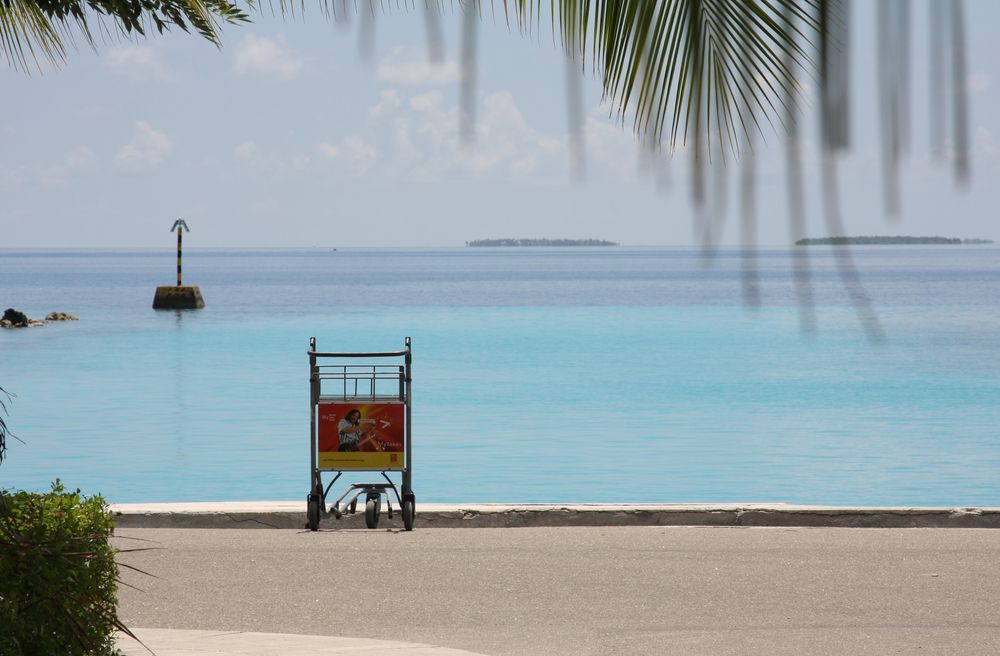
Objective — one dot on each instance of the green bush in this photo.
(58, 577)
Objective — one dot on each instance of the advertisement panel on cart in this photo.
(361, 435)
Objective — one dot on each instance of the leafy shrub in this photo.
(58, 577)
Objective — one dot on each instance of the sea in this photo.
(820, 375)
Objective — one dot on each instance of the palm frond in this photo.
(26, 32)
(685, 70)
(5, 398)
(801, 273)
(33, 31)
(3, 424)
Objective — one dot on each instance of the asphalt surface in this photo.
(580, 591)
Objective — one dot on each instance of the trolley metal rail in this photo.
(359, 422)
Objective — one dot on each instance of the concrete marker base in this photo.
(184, 297)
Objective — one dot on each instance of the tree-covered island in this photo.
(541, 242)
(886, 241)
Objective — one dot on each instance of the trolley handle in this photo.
(393, 354)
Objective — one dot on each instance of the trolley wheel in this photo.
(372, 511)
(312, 512)
(354, 505)
(409, 511)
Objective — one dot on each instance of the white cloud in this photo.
(81, 158)
(267, 57)
(421, 139)
(252, 155)
(363, 155)
(351, 156)
(425, 102)
(409, 67)
(138, 62)
(984, 142)
(979, 82)
(328, 150)
(147, 149)
(278, 163)
(47, 175)
(246, 151)
(388, 103)
(415, 136)
(525, 165)
(500, 112)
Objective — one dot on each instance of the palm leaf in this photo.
(33, 31)
(3, 424)
(5, 398)
(683, 71)
(26, 32)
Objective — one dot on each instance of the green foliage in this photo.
(541, 242)
(30, 29)
(58, 577)
(876, 241)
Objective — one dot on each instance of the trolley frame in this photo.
(376, 376)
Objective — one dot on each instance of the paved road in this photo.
(580, 591)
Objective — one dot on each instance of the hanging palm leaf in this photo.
(36, 30)
(684, 70)
(4, 432)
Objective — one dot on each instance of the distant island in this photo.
(541, 242)
(886, 241)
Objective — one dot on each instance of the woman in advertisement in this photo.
(355, 433)
(351, 431)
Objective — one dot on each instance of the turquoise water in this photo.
(577, 375)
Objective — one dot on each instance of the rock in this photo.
(15, 319)
(61, 316)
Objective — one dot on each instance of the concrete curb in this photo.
(292, 515)
(174, 642)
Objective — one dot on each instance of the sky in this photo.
(290, 135)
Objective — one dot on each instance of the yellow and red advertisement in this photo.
(361, 435)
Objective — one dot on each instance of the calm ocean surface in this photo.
(562, 375)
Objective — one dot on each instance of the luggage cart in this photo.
(359, 422)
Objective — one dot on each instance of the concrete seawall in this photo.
(292, 515)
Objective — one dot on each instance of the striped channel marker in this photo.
(179, 297)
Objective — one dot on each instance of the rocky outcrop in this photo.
(16, 319)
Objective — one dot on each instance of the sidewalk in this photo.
(179, 642)
(564, 591)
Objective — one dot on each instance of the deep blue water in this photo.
(564, 375)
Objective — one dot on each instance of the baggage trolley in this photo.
(359, 422)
